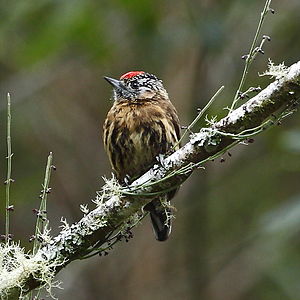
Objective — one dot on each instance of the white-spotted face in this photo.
(136, 85)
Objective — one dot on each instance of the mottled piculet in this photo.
(141, 124)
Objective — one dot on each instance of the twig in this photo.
(41, 221)
(111, 240)
(252, 53)
(8, 178)
(42, 214)
(200, 114)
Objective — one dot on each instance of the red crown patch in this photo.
(131, 74)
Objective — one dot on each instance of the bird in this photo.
(141, 125)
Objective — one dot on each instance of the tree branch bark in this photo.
(94, 228)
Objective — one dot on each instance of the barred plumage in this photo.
(141, 124)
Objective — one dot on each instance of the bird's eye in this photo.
(134, 84)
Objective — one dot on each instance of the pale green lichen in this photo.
(16, 267)
(212, 121)
(84, 209)
(45, 236)
(65, 225)
(276, 71)
(170, 210)
(111, 189)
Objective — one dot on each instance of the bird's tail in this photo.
(161, 219)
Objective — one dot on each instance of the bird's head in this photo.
(137, 85)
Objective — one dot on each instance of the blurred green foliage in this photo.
(236, 233)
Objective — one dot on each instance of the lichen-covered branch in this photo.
(117, 205)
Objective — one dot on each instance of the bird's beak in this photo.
(117, 84)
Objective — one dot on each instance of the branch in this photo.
(118, 206)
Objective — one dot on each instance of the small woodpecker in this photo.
(141, 125)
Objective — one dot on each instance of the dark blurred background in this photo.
(236, 233)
